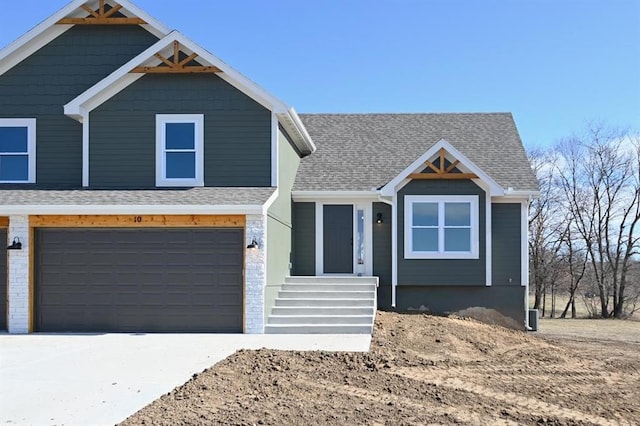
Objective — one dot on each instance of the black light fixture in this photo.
(254, 244)
(16, 245)
(379, 218)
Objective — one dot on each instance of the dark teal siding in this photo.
(505, 243)
(428, 272)
(508, 300)
(382, 253)
(42, 84)
(237, 139)
(304, 239)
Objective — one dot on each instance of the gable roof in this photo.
(48, 30)
(358, 152)
(122, 78)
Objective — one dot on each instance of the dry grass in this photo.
(602, 330)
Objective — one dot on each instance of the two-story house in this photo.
(147, 186)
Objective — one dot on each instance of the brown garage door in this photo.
(139, 280)
(3, 279)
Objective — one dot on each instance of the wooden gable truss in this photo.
(175, 65)
(442, 171)
(102, 17)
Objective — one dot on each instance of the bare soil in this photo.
(421, 369)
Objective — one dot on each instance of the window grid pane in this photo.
(441, 227)
(180, 136)
(14, 168)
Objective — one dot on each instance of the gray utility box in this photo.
(533, 319)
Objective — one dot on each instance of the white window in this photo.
(179, 149)
(17, 150)
(441, 227)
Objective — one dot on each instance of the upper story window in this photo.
(17, 150)
(441, 227)
(179, 149)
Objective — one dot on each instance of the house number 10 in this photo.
(137, 219)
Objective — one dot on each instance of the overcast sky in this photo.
(555, 64)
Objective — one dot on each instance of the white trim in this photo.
(275, 149)
(30, 125)
(46, 31)
(394, 248)
(368, 234)
(73, 209)
(524, 246)
(441, 200)
(198, 122)
(85, 150)
(300, 196)
(401, 179)
(319, 238)
(270, 201)
(488, 235)
(508, 200)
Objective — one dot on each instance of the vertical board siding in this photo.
(43, 83)
(382, 253)
(442, 271)
(304, 239)
(237, 132)
(506, 254)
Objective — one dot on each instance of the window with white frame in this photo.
(17, 150)
(441, 227)
(179, 149)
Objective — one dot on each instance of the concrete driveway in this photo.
(104, 378)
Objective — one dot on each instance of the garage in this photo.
(3, 279)
(138, 279)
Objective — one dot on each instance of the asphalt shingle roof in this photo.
(357, 152)
(178, 196)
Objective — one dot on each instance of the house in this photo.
(147, 186)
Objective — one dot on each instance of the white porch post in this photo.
(18, 276)
(255, 274)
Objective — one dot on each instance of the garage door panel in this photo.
(139, 280)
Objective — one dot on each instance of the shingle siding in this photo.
(237, 139)
(43, 83)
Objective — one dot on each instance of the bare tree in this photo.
(598, 173)
(546, 227)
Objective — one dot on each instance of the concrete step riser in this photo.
(311, 310)
(331, 280)
(325, 294)
(329, 287)
(324, 302)
(323, 329)
(320, 320)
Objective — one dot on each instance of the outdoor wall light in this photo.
(379, 218)
(16, 245)
(254, 244)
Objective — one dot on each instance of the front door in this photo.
(338, 239)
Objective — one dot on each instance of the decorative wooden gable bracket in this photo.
(102, 17)
(442, 171)
(175, 65)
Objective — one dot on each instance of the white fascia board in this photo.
(46, 31)
(390, 188)
(121, 78)
(334, 195)
(97, 209)
(270, 201)
(295, 118)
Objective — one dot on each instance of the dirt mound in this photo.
(489, 316)
(421, 369)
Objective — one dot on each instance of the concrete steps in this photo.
(327, 305)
